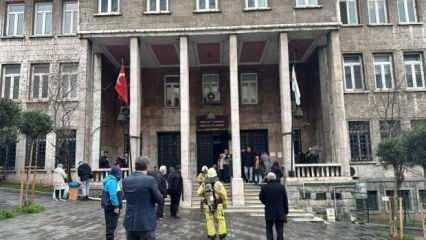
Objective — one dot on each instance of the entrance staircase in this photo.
(253, 207)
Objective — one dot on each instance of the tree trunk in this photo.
(67, 160)
(27, 178)
(397, 186)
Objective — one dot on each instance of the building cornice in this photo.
(241, 29)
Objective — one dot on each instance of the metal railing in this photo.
(325, 170)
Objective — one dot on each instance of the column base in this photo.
(187, 193)
(237, 192)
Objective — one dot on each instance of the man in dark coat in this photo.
(141, 192)
(248, 163)
(84, 172)
(274, 196)
(175, 184)
(160, 177)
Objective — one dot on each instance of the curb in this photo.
(417, 229)
(17, 190)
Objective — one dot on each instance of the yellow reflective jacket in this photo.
(219, 190)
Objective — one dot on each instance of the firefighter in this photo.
(214, 201)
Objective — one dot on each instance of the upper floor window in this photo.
(359, 138)
(349, 11)
(69, 80)
(15, 20)
(254, 4)
(306, 3)
(70, 17)
(10, 81)
(40, 81)
(211, 90)
(383, 71)
(249, 88)
(377, 12)
(414, 74)
(407, 11)
(207, 5)
(353, 72)
(158, 6)
(171, 91)
(43, 18)
(109, 6)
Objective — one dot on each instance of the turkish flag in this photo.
(121, 85)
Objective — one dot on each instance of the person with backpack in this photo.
(111, 201)
(214, 202)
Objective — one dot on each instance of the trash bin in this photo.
(73, 192)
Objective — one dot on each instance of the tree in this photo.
(33, 124)
(10, 113)
(416, 146)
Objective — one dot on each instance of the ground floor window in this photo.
(169, 149)
(39, 153)
(406, 198)
(360, 144)
(8, 156)
(65, 148)
(418, 122)
(370, 203)
(422, 195)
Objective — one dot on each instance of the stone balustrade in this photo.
(100, 174)
(318, 170)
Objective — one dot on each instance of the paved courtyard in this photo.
(84, 221)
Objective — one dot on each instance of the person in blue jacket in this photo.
(111, 201)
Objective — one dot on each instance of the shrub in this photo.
(7, 213)
(33, 208)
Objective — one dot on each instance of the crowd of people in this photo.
(147, 188)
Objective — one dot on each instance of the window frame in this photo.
(382, 71)
(256, 5)
(207, 9)
(256, 81)
(69, 74)
(352, 67)
(376, 10)
(407, 12)
(359, 132)
(40, 145)
(203, 83)
(13, 77)
(109, 10)
(347, 12)
(40, 87)
(44, 18)
(171, 84)
(306, 4)
(413, 70)
(16, 17)
(72, 23)
(158, 7)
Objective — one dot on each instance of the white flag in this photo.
(295, 86)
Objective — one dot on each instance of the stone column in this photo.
(185, 122)
(339, 124)
(285, 100)
(96, 111)
(135, 100)
(237, 181)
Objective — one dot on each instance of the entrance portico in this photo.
(168, 78)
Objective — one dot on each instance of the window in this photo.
(422, 195)
(377, 12)
(336, 195)
(406, 198)
(15, 20)
(43, 18)
(321, 196)
(157, 6)
(418, 122)
(171, 91)
(70, 17)
(383, 71)
(39, 153)
(349, 11)
(40, 81)
(211, 91)
(407, 11)
(109, 6)
(10, 81)
(353, 72)
(306, 3)
(65, 148)
(7, 156)
(253, 4)
(414, 74)
(372, 203)
(389, 128)
(206, 5)
(249, 88)
(69, 77)
(359, 136)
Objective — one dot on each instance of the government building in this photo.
(209, 75)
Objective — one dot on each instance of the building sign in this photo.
(211, 122)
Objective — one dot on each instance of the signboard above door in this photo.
(212, 122)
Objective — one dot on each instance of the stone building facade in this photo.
(209, 75)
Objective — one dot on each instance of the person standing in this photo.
(266, 161)
(175, 183)
(227, 166)
(111, 201)
(84, 172)
(142, 193)
(58, 179)
(248, 162)
(214, 201)
(274, 196)
(202, 175)
(103, 161)
(162, 185)
(276, 168)
(259, 169)
(220, 167)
